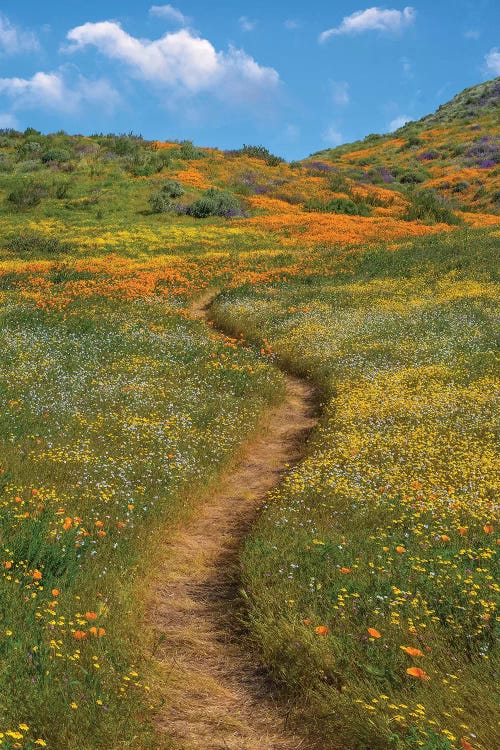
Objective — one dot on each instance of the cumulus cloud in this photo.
(170, 13)
(340, 93)
(492, 60)
(181, 61)
(51, 91)
(398, 122)
(246, 24)
(372, 19)
(14, 40)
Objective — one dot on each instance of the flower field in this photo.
(372, 574)
(114, 419)
(369, 270)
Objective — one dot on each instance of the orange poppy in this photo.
(8, 565)
(80, 635)
(418, 673)
(411, 651)
(99, 524)
(307, 622)
(90, 616)
(488, 529)
(55, 592)
(321, 629)
(374, 633)
(345, 570)
(98, 632)
(462, 530)
(36, 575)
(400, 549)
(466, 745)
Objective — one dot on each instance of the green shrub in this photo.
(215, 203)
(56, 156)
(189, 151)
(27, 194)
(427, 206)
(411, 177)
(338, 206)
(161, 201)
(37, 243)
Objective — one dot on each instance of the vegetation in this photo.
(369, 269)
(371, 575)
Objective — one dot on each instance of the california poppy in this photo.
(418, 673)
(400, 549)
(80, 635)
(411, 651)
(90, 616)
(488, 529)
(321, 629)
(466, 745)
(98, 632)
(374, 633)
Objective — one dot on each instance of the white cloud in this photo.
(7, 120)
(340, 93)
(181, 61)
(372, 19)
(246, 24)
(50, 91)
(170, 13)
(290, 24)
(14, 40)
(398, 122)
(492, 60)
(332, 136)
(472, 34)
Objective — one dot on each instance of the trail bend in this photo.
(216, 696)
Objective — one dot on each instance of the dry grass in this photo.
(215, 695)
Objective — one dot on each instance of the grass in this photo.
(119, 410)
(115, 417)
(377, 554)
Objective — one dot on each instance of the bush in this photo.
(161, 201)
(338, 206)
(428, 207)
(56, 155)
(258, 152)
(34, 242)
(188, 151)
(411, 177)
(27, 194)
(215, 203)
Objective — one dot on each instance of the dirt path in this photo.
(216, 697)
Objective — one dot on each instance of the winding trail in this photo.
(216, 696)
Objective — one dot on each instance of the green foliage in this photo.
(56, 155)
(36, 243)
(338, 206)
(259, 152)
(161, 200)
(215, 202)
(27, 194)
(428, 207)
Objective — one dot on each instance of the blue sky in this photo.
(294, 76)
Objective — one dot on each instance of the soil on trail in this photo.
(216, 696)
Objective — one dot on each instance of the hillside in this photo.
(455, 152)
